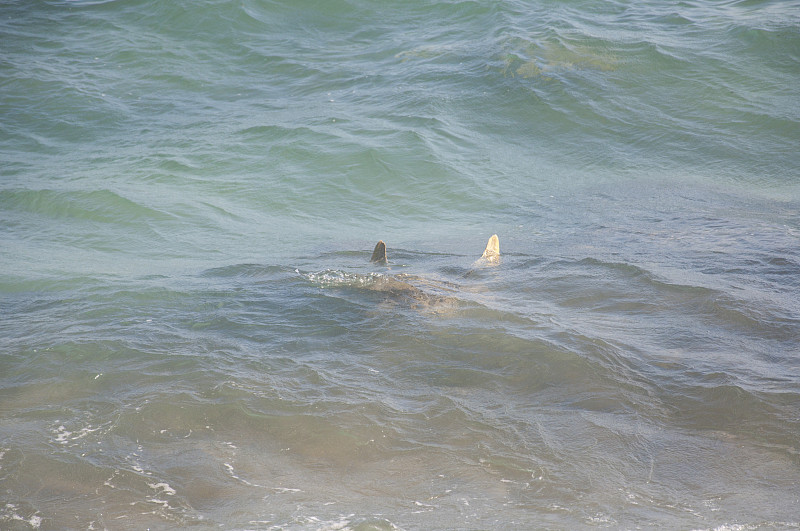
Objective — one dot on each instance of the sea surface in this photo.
(192, 334)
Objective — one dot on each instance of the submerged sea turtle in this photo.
(417, 292)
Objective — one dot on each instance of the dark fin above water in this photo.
(492, 251)
(379, 254)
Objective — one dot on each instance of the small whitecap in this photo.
(62, 435)
(163, 487)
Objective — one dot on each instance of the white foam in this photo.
(164, 487)
(423, 507)
(335, 278)
(232, 473)
(163, 503)
(331, 525)
(63, 435)
(600, 518)
(748, 527)
(279, 490)
(84, 432)
(10, 513)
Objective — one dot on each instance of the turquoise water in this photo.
(192, 335)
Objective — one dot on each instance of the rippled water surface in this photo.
(192, 334)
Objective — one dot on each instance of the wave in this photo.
(103, 206)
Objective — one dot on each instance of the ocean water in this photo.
(192, 335)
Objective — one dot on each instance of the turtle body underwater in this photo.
(431, 295)
(419, 292)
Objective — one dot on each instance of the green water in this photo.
(192, 335)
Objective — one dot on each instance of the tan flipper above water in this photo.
(379, 254)
(492, 251)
